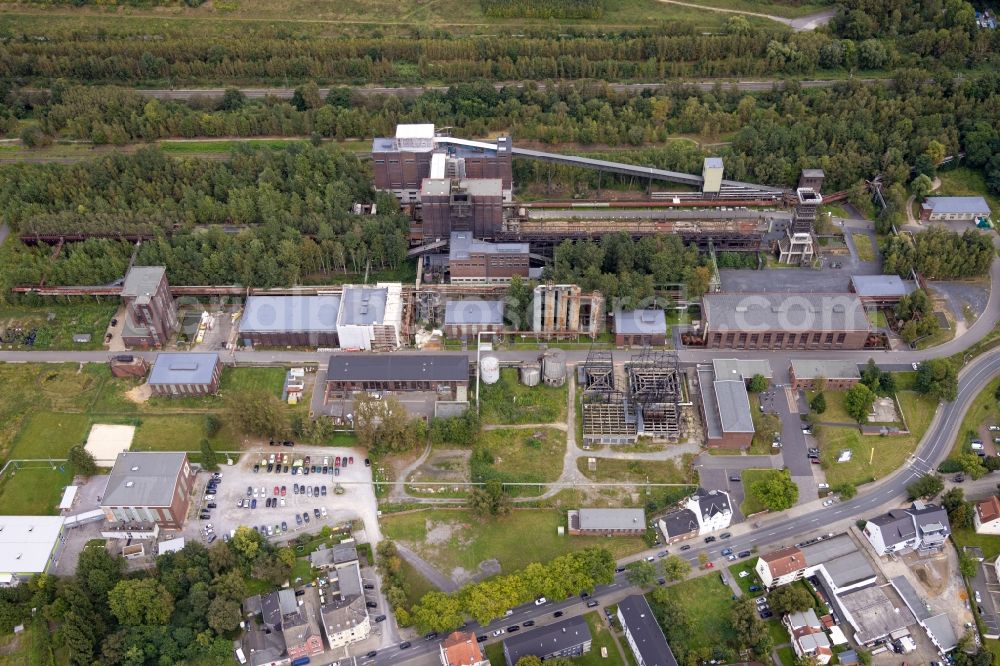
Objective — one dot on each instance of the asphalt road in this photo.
(286, 93)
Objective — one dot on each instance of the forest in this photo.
(186, 609)
(939, 254)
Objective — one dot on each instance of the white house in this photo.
(808, 638)
(922, 527)
(836, 560)
(704, 512)
(987, 516)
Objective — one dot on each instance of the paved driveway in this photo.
(713, 479)
(986, 585)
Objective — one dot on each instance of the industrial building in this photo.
(150, 313)
(796, 248)
(147, 491)
(566, 638)
(176, 374)
(643, 633)
(472, 261)
(640, 328)
(812, 179)
(445, 374)
(784, 321)
(29, 545)
(836, 375)
(954, 209)
(644, 401)
(296, 321)
(371, 318)
(561, 310)
(607, 522)
(881, 290)
(467, 319)
(806, 209)
(472, 205)
(725, 403)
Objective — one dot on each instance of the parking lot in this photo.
(243, 495)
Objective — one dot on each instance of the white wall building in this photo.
(371, 317)
(29, 545)
(987, 516)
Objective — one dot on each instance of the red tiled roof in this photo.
(462, 649)
(988, 509)
(784, 561)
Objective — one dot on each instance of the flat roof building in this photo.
(185, 373)
(725, 409)
(147, 488)
(640, 328)
(29, 545)
(881, 289)
(838, 375)
(467, 319)
(567, 638)
(150, 313)
(643, 633)
(784, 321)
(954, 208)
(607, 522)
(472, 261)
(371, 318)
(349, 373)
(298, 321)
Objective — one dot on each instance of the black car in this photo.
(371, 604)
(285, 469)
(205, 516)
(404, 645)
(686, 546)
(380, 618)
(369, 586)
(249, 491)
(316, 513)
(709, 539)
(305, 516)
(766, 614)
(326, 469)
(270, 467)
(305, 471)
(661, 581)
(212, 505)
(315, 491)
(288, 443)
(744, 553)
(430, 635)
(313, 469)
(725, 535)
(322, 491)
(513, 628)
(735, 478)
(371, 653)
(481, 639)
(368, 462)
(557, 614)
(529, 623)
(272, 443)
(256, 468)
(619, 569)
(584, 594)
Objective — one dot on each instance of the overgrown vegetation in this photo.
(575, 9)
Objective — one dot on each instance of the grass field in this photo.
(56, 324)
(965, 182)
(509, 402)
(450, 539)
(527, 456)
(746, 582)
(835, 412)
(863, 244)
(750, 476)
(177, 432)
(873, 457)
(416, 585)
(32, 491)
(984, 410)
(990, 543)
(50, 435)
(233, 380)
(601, 635)
(787, 656)
(639, 471)
(707, 602)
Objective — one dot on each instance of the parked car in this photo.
(368, 462)
(380, 618)
(298, 519)
(284, 490)
(593, 603)
(371, 604)
(529, 623)
(305, 516)
(727, 551)
(686, 546)
(725, 535)
(212, 505)
(316, 512)
(404, 645)
(709, 539)
(540, 600)
(350, 459)
(482, 639)
(511, 629)
(744, 553)
(734, 478)
(557, 614)
(253, 503)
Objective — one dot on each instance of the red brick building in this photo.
(151, 316)
(148, 488)
(838, 375)
(472, 261)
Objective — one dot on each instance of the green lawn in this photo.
(494, 653)
(746, 582)
(50, 435)
(449, 539)
(984, 410)
(786, 655)
(707, 602)
(639, 471)
(967, 182)
(602, 637)
(863, 244)
(766, 428)
(56, 323)
(196, 147)
(835, 412)
(779, 634)
(232, 380)
(416, 585)
(178, 432)
(750, 476)
(302, 570)
(872, 456)
(526, 456)
(32, 491)
(990, 543)
(510, 402)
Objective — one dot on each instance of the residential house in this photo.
(780, 567)
(462, 649)
(567, 638)
(643, 633)
(300, 623)
(987, 516)
(922, 528)
(263, 643)
(342, 606)
(704, 512)
(808, 638)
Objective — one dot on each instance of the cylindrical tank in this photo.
(531, 374)
(489, 369)
(554, 367)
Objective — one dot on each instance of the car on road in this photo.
(593, 603)
(650, 559)
(430, 635)
(709, 565)
(725, 535)
(828, 502)
(726, 551)
(498, 632)
(744, 553)
(686, 546)
(979, 597)
(557, 614)
(482, 639)
(404, 645)
(735, 478)
(529, 623)
(619, 569)
(540, 600)
(380, 618)
(513, 628)
(371, 653)
(508, 613)
(709, 539)
(662, 553)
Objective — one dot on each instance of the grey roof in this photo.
(679, 522)
(143, 478)
(336, 554)
(733, 368)
(734, 405)
(290, 314)
(142, 280)
(806, 618)
(383, 144)
(850, 569)
(612, 519)
(942, 632)
(713, 162)
(967, 205)
(911, 597)
(363, 306)
(640, 322)
(813, 173)
(461, 245)
(342, 614)
(349, 580)
(809, 368)
(710, 405)
(787, 312)
(646, 632)
(828, 549)
(884, 286)
(874, 613)
(398, 367)
(435, 187)
(482, 186)
(183, 368)
(712, 502)
(896, 526)
(473, 312)
(548, 640)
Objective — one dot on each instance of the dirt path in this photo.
(801, 24)
(438, 579)
(561, 425)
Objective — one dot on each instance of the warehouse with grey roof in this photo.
(147, 489)
(298, 321)
(185, 373)
(607, 522)
(443, 374)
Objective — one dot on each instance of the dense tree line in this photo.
(186, 609)
(939, 254)
(575, 9)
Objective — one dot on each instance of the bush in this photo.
(950, 466)
(213, 424)
(818, 403)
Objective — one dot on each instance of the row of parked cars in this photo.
(284, 463)
(210, 489)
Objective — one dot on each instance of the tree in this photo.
(140, 601)
(758, 384)
(437, 611)
(971, 465)
(232, 100)
(81, 461)
(256, 412)
(921, 186)
(927, 487)
(224, 615)
(818, 403)
(776, 491)
(641, 573)
(246, 543)
(789, 599)
(519, 295)
(213, 424)
(384, 425)
(490, 500)
(675, 568)
(530, 660)
(209, 459)
(937, 378)
(751, 631)
(858, 402)
(845, 490)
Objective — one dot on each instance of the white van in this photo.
(976, 446)
(240, 657)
